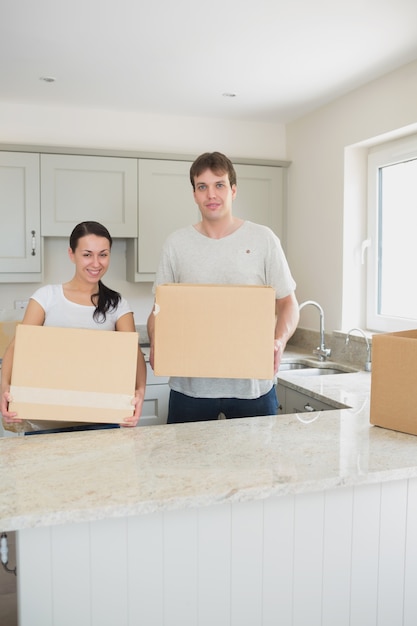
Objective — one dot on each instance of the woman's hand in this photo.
(137, 403)
(9, 417)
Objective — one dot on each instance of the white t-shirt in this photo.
(252, 255)
(61, 312)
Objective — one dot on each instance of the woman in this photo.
(83, 302)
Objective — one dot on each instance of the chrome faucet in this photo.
(368, 365)
(322, 352)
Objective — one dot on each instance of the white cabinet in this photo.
(76, 188)
(140, 199)
(166, 203)
(297, 402)
(155, 405)
(293, 401)
(281, 397)
(260, 196)
(20, 244)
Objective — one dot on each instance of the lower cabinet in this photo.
(292, 401)
(155, 405)
(281, 396)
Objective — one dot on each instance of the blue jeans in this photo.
(184, 408)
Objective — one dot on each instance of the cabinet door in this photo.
(20, 247)
(260, 196)
(155, 405)
(78, 188)
(297, 402)
(166, 203)
(281, 397)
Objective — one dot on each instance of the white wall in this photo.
(48, 126)
(92, 128)
(326, 218)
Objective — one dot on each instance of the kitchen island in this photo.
(291, 519)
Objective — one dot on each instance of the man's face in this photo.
(214, 195)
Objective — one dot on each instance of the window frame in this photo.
(381, 156)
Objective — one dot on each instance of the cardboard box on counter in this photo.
(72, 374)
(393, 381)
(214, 331)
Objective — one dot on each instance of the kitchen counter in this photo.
(86, 476)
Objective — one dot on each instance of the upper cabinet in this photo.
(260, 196)
(20, 242)
(139, 198)
(166, 203)
(76, 188)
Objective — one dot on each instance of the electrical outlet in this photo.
(20, 304)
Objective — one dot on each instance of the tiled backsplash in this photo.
(354, 354)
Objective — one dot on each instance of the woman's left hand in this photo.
(138, 403)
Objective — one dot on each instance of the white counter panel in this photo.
(343, 556)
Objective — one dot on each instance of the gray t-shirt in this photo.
(252, 255)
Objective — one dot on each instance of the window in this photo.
(392, 228)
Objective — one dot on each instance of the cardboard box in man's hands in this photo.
(214, 331)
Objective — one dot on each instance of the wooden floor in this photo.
(8, 599)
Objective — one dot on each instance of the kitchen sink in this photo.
(292, 366)
(308, 369)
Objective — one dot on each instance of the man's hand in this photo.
(279, 347)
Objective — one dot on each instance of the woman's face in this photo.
(91, 257)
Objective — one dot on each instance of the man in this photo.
(225, 249)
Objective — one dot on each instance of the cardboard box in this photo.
(68, 374)
(393, 381)
(214, 331)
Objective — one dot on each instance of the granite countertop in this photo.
(85, 476)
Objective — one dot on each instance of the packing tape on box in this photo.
(62, 397)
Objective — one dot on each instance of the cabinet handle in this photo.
(33, 233)
(309, 408)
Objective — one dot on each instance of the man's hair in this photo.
(214, 161)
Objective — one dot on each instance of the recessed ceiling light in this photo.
(229, 94)
(47, 79)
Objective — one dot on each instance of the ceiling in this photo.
(279, 59)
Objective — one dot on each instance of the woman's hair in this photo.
(214, 161)
(105, 299)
